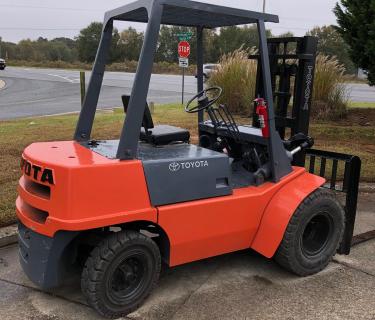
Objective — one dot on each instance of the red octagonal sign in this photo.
(184, 49)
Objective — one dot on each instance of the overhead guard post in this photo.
(200, 66)
(128, 145)
(87, 115)
(280, 164)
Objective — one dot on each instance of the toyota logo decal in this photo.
(174, 166)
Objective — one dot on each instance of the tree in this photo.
(26, 50)
(8, 50)
(65, 49)
(232, 38)
(131, 43)
(288, 34)
(209, 46)
(356, 25)
(167, 45)
(167, 49)
(330, 43)
(70, 43)
(88, 43)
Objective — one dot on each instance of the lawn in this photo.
(358, 104)
(354, 135)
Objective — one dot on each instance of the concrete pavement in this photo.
(241, 285)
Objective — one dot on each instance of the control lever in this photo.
(305, 145)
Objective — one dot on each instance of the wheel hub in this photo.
(317, 234)
(127, 279)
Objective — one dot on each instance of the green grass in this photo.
(17, 134)
(362, 105)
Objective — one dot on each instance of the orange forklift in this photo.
(119, 208)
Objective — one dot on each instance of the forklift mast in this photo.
(292, 65)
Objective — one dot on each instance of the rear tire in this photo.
(120, 273)
(313, 234)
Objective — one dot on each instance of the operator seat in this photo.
(159, 135)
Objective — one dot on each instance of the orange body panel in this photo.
(91, 191)
(280, 210)
(205, 228)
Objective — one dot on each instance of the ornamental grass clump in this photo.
(237, 76)
(331, 95)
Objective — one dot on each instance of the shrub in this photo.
(237, 76)
(126, 66)
(330, 96)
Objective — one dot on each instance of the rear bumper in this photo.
(43, 259)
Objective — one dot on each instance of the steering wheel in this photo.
(203, 101)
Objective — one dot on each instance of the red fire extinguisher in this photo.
(262, 113)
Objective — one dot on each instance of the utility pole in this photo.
(264, 6)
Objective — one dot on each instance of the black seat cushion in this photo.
(164, 134)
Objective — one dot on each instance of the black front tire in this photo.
(313, 235)
(120, 273)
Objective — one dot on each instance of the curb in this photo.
(367, 188)
(8, 235)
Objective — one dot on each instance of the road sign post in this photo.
(183, 63)
(184, 53)
(183, 87)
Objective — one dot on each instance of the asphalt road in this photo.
(361, 92)
(34, 92)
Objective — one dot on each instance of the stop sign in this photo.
(184, 49)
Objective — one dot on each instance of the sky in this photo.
(22, 19)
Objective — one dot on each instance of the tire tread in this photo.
(284, 255)
(100, 257)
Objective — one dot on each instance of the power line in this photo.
(50, 8)
(41, 29)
